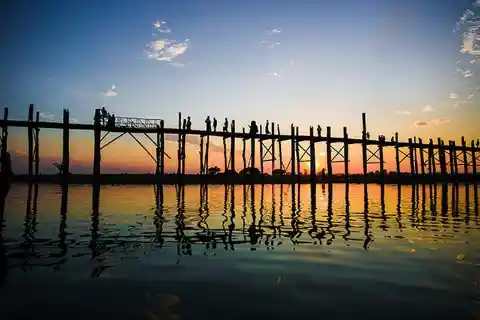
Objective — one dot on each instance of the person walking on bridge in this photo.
(225, 125)
(208, 123)
(214, 124)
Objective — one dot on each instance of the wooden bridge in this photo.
(425, 158)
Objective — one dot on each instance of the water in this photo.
(271, 252)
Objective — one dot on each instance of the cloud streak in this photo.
(427, 108)
(111, 92)
(435, 122)
(46, 116)
(403, 112)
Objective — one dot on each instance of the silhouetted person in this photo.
(208, 123)
(319, 131)
(253, 128)
(393, 139)
(368, 135)
(323, 174)
(267, 128)
(184, 124)
(113, 120)
(225, 125)
(189, 124)
(214, 124)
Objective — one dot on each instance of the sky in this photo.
(410, 65)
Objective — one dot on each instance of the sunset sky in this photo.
(302, 62)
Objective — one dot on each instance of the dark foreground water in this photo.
(281, 252)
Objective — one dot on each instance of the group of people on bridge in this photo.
(108, 120)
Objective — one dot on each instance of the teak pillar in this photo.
(345, 152)
(232, 146)
(292, 150)
(412, 159)
(30, 141)
(329, 154)
(474, 159)
(297, 150)
(422, 156)
(364, 144)
(380, 156)
(397, 154)
(3, 153)
(273, 146)
(252, 149)
(465, 156)
(313, 169)
(66, 143)
(261, 150)
(96, 144)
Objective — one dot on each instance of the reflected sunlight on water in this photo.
(276, 249)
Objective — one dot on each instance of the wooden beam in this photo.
(364, 144)
(345, 153)
(3, 154)
(232, 146)
(380, 156)
(313, 169)
(252, 149)
(329, 154)
(30, 141)
(66, 143)
(96, 144)
(397, 154)
(292, 150)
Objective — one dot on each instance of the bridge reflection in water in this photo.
(410, 246)
(211, 218)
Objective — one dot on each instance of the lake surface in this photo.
(263, 252)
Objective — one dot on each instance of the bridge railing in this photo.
(125, 122)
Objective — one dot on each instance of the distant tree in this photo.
(59, 166)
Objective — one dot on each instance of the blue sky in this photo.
(335, 60)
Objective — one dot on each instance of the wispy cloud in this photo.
(274, 74)
(436, 122)
(420, 123)
(427, 108)
(274, 31)
(403, 112)
(46, 116)
(74, 120)
(165, 49)
(453, 95)
(111, 92)
(178, 64)
(472, 95)
(439, 121)
(161, 26)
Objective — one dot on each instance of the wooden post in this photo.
(313, 169)
(474, 159)
(465, 156)
(232, 147)
(66, 143)
(207, 151)
(452, 160)
(412, 159)
(261, 150)
(37, 143)
(96, 151)
(415, 160)
(244, 151)
(422, 156)
(179, 146)
(3, 153)
(280, 154)
(162, 148)
(364, 143)
(184, 153)
(345, 153)
(30, 140)
(297, 150)
(431, 159)
(292, 156)
(202, 169)
(397, 154)
(273, 146)
(329, 154)
(252, 150)
(455, 159)
(380, 156)
(441, 157)
(225, 159)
